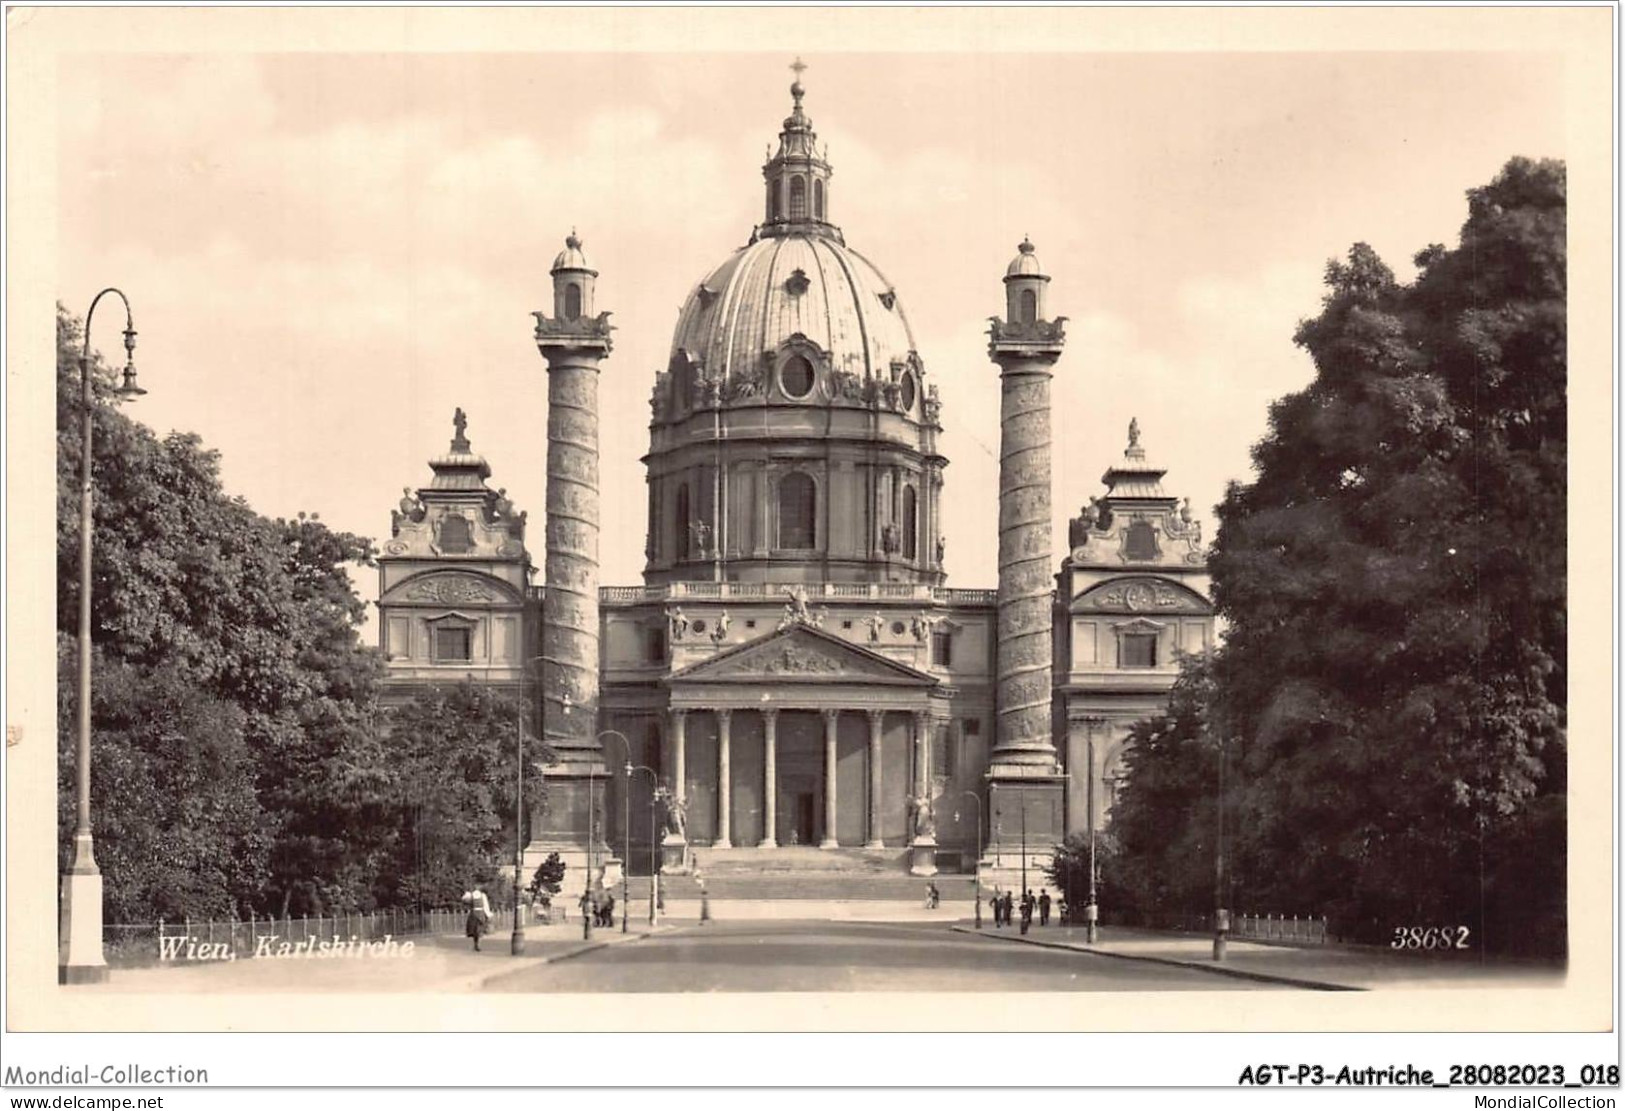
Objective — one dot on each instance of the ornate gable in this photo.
(801, 653)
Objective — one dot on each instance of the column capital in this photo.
(678, 713)
(769, 713)
(724, 713)
(831, 716)
(875, 717)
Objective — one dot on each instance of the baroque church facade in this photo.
(794, 673)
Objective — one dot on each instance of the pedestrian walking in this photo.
(1026, 911)
(478, 922)
(609, 908)
(1009, 907)
(998, 908)
(1043, 906)
(932, 896)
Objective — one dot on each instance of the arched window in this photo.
(775, 205)
(818, 199)
(798, 198)
(1029, 306)
(572, 302)
(798, 512)
(682, 521)
(455, 535)
(911, 525)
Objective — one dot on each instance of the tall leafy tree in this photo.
(455, 755)
(1393, 675)
(191, 586)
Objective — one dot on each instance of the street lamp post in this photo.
(626, 824)
(1091, 913)
(1221, 914)
(654, 790)
(592, 835)
(516, 944)
(82, 961)
(1021, 793)
(977, 799)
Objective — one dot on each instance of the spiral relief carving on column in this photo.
(1024, 617)
(570, 607)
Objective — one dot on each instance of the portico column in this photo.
(770, 777)
(831, 720)
(724, 781)
(877, 719)
(679, 745)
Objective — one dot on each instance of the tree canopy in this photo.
(1393, 676)
(241, 761)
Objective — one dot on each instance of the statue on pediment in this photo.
(796, 610)
(677, 622)
(719, 628)
(942, 549)
(501, 507)
(875, 623)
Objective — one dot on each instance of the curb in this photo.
(580, 950)
(1236, 973)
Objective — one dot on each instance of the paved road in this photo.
(834, 956)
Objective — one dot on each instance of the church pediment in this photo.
(1141, 594)
(801, 654)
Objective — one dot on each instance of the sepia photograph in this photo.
(863, 527)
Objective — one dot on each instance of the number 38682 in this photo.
(1430, 937)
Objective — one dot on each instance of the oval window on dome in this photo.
(796, 377)
(910, 391)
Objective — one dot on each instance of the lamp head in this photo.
(131, 388)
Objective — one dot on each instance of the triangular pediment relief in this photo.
(801, 654)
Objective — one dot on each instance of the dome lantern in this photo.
(797, 175)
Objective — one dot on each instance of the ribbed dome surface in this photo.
(777, 287)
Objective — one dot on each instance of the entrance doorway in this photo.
(805, 830)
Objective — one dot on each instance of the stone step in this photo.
(805, 887)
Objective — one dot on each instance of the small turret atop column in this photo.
(1024, 283)
(572, 282)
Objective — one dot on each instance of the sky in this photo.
(328, 252)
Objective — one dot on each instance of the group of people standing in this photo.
(599, 904)
(1004, 908)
